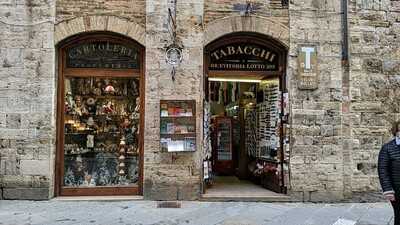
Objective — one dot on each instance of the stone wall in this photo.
(375, 84)
(171, 176)
(336, 130)
(27, 109)
(316, 161)
(134, 10)
(214, 10)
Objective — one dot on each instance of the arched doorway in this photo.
(100, 115)
(245, 113)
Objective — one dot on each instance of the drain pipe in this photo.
(345, 35)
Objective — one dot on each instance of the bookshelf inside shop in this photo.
(178, 125)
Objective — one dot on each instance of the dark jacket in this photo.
(389, 167)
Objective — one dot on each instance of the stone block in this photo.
(355, 94)
(94, 23)
(15, 181)
(379, 23)
(367, 107)
(373, 65)
(326, 196)
(118, 25)
(3, 120)
(138, 33)
(306, 130)
(309, 111)
(154, 190)
(331, 154)
(189, 192)
(35, 167)
(9, 166)
(367, 168)
(308, 140)
(15, 104)
(391, 66)
(12, 57)
(26, 193)
(70, 27)
(13, 120)
(41, 182)
(369, 37)
(304, 119)
(17, 133)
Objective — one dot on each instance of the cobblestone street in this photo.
(192, 213)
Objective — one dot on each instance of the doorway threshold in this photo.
(230, 188)
(99, 198)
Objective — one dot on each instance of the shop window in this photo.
(100, 116)
(101, 122)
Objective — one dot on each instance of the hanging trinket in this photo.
(121, 158)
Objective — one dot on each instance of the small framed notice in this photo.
(178, 125)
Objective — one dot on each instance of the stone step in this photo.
(245, 198)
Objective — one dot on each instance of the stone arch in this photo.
(262, 25)
(115, 24)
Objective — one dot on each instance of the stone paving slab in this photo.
(191, 213)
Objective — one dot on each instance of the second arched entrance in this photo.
(245, 115)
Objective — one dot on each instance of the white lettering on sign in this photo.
(308, 51)
(344, 222)
(243, 50)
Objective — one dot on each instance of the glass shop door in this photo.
(100, 118)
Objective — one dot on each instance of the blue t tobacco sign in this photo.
(308, 67)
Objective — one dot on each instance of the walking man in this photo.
(389, 171)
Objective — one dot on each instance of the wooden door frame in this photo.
(63, 73)
(250, 37)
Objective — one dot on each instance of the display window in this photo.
(100, 117)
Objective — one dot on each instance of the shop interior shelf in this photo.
(268, 159)
(188, 133)
(177, 117)
(89, 132)
(89, 151)
(120, 97)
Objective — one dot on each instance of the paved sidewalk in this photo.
(192, 213)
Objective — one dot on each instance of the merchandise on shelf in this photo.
(251, 132)
(224, 141)
(100, 115)
(268, 112)
(177, 125)
(207, 148)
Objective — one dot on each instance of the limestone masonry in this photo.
(336, 130)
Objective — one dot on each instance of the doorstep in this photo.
(230, 188)
(98, 198)
(245, 198)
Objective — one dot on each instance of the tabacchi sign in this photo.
(244, 56)
(308, 67)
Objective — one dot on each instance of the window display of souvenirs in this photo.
(101, 124)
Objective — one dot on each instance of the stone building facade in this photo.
(336, 130)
